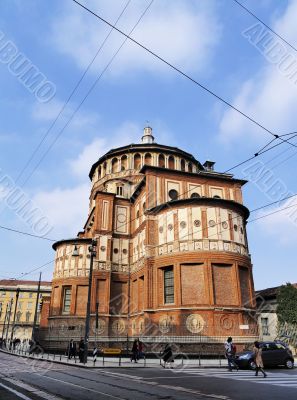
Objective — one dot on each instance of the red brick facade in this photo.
(172, 255)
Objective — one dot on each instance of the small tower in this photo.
(147, 135)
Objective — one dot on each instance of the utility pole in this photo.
(92, 250)
(97, 322)
(36, 308)
(9, 316)
(4, 323)
(14, 315)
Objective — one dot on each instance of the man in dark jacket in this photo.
(81, 350)
(71, 350)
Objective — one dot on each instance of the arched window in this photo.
(216, 197)
(104, 169)
(182, 165)
(190, 167)
(137, 161)
(195, 194)
(171, 164)
(148, 159)
(120, 190)
(161, 161)
(114, 165)
(99, 172)
(28, 316)
(124, 163)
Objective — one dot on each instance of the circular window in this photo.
(225, 224)
(183, 224)
(116, 250)
(125, 251)
(211, 223)
(173, 194)
(161, 229)
(197, 223)
(102, 248)
(235, 227)
(170, 227)
(195, 194)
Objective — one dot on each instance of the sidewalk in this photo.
(122, 361)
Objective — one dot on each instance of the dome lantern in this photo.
(147, 135)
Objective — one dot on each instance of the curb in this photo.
(78, 365)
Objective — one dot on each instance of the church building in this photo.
(172, 260)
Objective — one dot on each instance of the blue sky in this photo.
(204, 38)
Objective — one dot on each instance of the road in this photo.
(35, 380)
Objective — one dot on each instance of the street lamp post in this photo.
(4, 322)
(9, 316)
(92, 250)
(14, 315)
(36, 310)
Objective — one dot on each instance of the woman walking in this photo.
(258, 359)
(167, 356)
(134, 355)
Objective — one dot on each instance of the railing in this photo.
(122, 360)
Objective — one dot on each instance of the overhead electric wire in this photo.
(208, 179)
(194, 81)
(26, 233)
(235, 217)
(254, 210)
(266, 26)
(71, 94)
(88, 93)
(274, 212)
(133, 219)
(183, 73)
(219, 223)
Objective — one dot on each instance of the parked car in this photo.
(273, 354)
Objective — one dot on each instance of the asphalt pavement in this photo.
(34, 379)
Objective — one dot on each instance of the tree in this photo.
(287, 304)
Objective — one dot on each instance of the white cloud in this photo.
(67, 209)
(269, 96)
(281, 225)
(127, 133)
(184, 33)
(90, 154)
(45, 112)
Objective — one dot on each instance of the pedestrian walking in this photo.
(167, 356)
(134, 354)
(140, 350)
(71, 350)
(230, 351)
(258, 359)
(81, 350)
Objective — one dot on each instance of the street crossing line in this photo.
(277, 379)
(18, 394)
